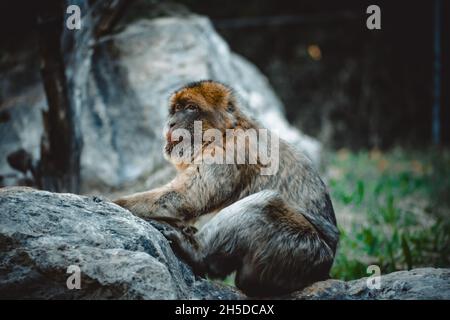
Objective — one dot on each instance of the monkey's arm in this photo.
(167, 204)
(194, 191)
(141, 204)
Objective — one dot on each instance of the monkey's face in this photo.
(195, 109)
(182, 116)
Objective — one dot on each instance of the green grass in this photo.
(392, 209)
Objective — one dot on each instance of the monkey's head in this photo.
(210, 102)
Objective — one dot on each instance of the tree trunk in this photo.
(65, 64)
(59, 166)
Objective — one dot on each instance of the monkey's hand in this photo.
(138, 208)
(176, 223)
(185, 246)
(141, 204)
(122, 202)
(177, 242)
(175, 230)
(160, 202)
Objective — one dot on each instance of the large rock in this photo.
(130, 77)
(120, 256)
(123, 257)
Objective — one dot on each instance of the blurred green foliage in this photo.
(393, 210)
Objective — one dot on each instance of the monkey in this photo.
(278, 232)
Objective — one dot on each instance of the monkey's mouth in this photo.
(173, 140)
(183, 154)
(170, 145)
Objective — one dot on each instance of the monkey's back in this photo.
(299, 184)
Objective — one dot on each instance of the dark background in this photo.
(369, 88)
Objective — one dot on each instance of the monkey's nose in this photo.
(169, 131)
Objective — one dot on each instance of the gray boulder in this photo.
(131, 74)
(119, 255)
(123, 257)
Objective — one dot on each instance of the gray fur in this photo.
(277, 231)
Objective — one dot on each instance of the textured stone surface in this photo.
(120, 256)
(124, 257)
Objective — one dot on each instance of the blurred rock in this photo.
(132, 74)
(416, 284)
(22, 100)
(123, 257)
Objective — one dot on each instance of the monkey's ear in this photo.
(230, 107)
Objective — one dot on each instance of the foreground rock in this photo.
(123, 257)
(120, 256)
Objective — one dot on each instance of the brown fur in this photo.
(278, 232)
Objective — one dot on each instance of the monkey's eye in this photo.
(192, 107)
(177, 107)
